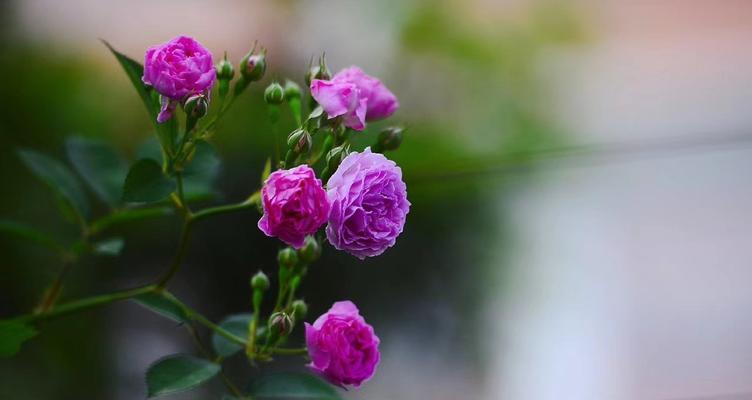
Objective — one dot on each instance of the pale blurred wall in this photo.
(632, 278)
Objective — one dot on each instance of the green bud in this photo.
(335, 156)
(274, 94)
(389, 139)
(280, 324)
(310, 251)
(287, 257)
(292, 90)
(253, 66)
(260, 281)
(196, 106)
(320, 71)
(299, 141)
(225, 71)
(299, 309)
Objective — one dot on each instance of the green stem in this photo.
(289, 352)
(185, 235)
(194, 315)
(86, 303)
(250, 202)
(53, 292)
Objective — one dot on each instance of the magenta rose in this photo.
(178, 69)
(369, 204)
(355, 96)
(342, 346)
(295, 205)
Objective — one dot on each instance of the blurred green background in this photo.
(482, 86)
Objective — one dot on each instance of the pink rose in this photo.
(295, 205)
(178, 69)
(342, 346)
(355, 96)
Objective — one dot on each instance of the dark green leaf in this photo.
(167, 131)
(26, 232)
(267, 170)
(127, 215)
(237, 325)
(12, 335)
(102, 168)
(147, 183)
(162, 305)
(177, 373)
(201, 171)
(109, 247)
(292, 386)
(59, 178)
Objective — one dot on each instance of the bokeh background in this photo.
(580, 174)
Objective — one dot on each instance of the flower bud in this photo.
(292, 90)
(287, 258)
(253, 66)
(389, 139)
(300, 141)
(320, 71)
(196, 106)
(260, 281)
(280, 324)
(335, 156)
(299, 309)
(274, 94)
(310, 251)
(225, 71)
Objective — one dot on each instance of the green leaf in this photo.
(292, 386)
(59, 178)
(128, 215)
(201, 171)
(167, 131)
(109, 247)
(147, 183)
(162, 305)
(177, 373)
(237, 325)
(12, 335)
(22, 231)
(267, 170)
(102, 168)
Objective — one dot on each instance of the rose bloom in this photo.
(178, 69)
(369, 204)
(295, 205)
(342, 346)
(355, 96)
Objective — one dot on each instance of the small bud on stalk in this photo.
(333, 158)
(287, 258)
(292, 90)
(274, 94)
(260, 282)
(280, 325)
(299, 142)
(253, 66)
(320, 71)
(299, 310)
(196, 106)
(389, 139)
(311, 250)
(225, 72)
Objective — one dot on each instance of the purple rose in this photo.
(355, 96)
(342, 346)
(369, 204)
(295, 205)
(178, 69)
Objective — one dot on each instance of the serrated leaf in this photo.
(102, 168)
(178, 373)
(237, 325)
(162, 305)
(12, 335)
(267, 170)
(147, 183)
(201, 171)
(59, 178)
(292, 386)
(167, 131)
(23, 231)
(109, 247)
